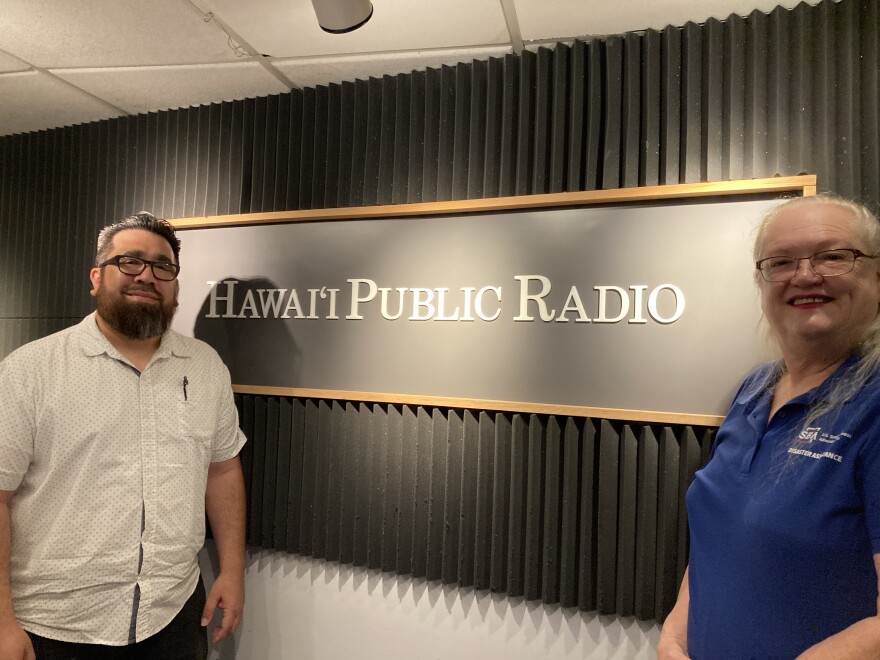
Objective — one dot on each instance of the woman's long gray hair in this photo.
(867, 227)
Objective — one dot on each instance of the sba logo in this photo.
(809, 434)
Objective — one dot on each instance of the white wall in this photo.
(307, 609)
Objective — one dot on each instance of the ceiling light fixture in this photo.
(339, 16)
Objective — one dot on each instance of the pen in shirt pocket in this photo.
(185, 383)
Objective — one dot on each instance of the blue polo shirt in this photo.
(784, 523)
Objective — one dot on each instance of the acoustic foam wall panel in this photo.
(580, 512)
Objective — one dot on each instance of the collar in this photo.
(93, 342)
(760, 383)
(821, 391)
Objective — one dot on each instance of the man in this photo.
(116, 436)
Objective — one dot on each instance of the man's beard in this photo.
(135, 320)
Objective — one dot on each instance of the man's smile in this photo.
(142, 294)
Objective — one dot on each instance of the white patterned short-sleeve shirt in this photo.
(95, 451)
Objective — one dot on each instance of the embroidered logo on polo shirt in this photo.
(813, 434)
(816, 455)
(809, 434)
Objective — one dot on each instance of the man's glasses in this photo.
(827, 263)
(162, 270)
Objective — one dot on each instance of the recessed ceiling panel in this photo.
(33, 101)
(289, 28)
(308, 72)
(560, 19)
(144, 89)
(101, 33)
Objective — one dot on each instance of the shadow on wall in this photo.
(299, 608)
(257, 350)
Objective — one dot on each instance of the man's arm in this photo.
(861, 641)
(673, 639)
(14, 641)
(225, 505)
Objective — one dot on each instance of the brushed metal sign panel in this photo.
(643, 307)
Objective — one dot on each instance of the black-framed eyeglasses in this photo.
(162, 270)
(827, 263)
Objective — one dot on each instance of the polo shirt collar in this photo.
(822, 390)
(760, 388)
(93, 342)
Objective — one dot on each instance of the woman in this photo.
(785, 516)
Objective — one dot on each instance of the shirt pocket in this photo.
(196, 426)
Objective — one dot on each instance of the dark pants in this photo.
(182, 639)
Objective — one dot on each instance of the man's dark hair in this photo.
(143, 220)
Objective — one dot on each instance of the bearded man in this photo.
(116, 436)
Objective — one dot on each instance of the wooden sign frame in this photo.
(803, 185)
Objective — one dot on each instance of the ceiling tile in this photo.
(559, 19)
(34, 100)
(144, 89)
(146, 56)
(308, 72)
(288, 28)
(101, 33)
(8, 63)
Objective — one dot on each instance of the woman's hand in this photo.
(673, 639)
(668, 649)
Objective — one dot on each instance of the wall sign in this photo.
(630, 307)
